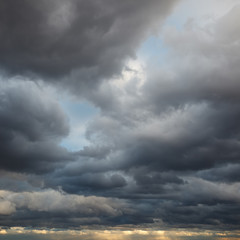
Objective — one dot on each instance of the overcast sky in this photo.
(119, 119)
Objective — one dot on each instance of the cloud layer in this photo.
(164, 145)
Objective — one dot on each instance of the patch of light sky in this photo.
(79, 114)
(202, 12)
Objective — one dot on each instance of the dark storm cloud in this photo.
(191, 148)
(157, 178)
(219, 216)
(197, 108)
(53, 38)
(16, 181)
(225, 173)
(32, 126)
(174, 140)
(89, 182)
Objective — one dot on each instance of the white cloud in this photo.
(55, 201)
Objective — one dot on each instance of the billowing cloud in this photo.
(54, 38)
(55, 201)
(182, 120)
(32, 125)
(74, 209)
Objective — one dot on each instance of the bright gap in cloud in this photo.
(154, 49)
(79, 114)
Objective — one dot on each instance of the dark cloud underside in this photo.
(31, 126)
(52, 38)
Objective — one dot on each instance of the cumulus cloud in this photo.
(55, 201)
(75, 209)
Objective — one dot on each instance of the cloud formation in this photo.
(32, 124)
(54, 38)
(174, 124)
(163, 149)
(21, 207)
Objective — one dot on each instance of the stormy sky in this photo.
(119, 119)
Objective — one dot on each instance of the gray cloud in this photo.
(224, 173)
(32, 126)
(54, 38)
(88, 182)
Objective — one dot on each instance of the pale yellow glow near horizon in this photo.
(128, 234)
